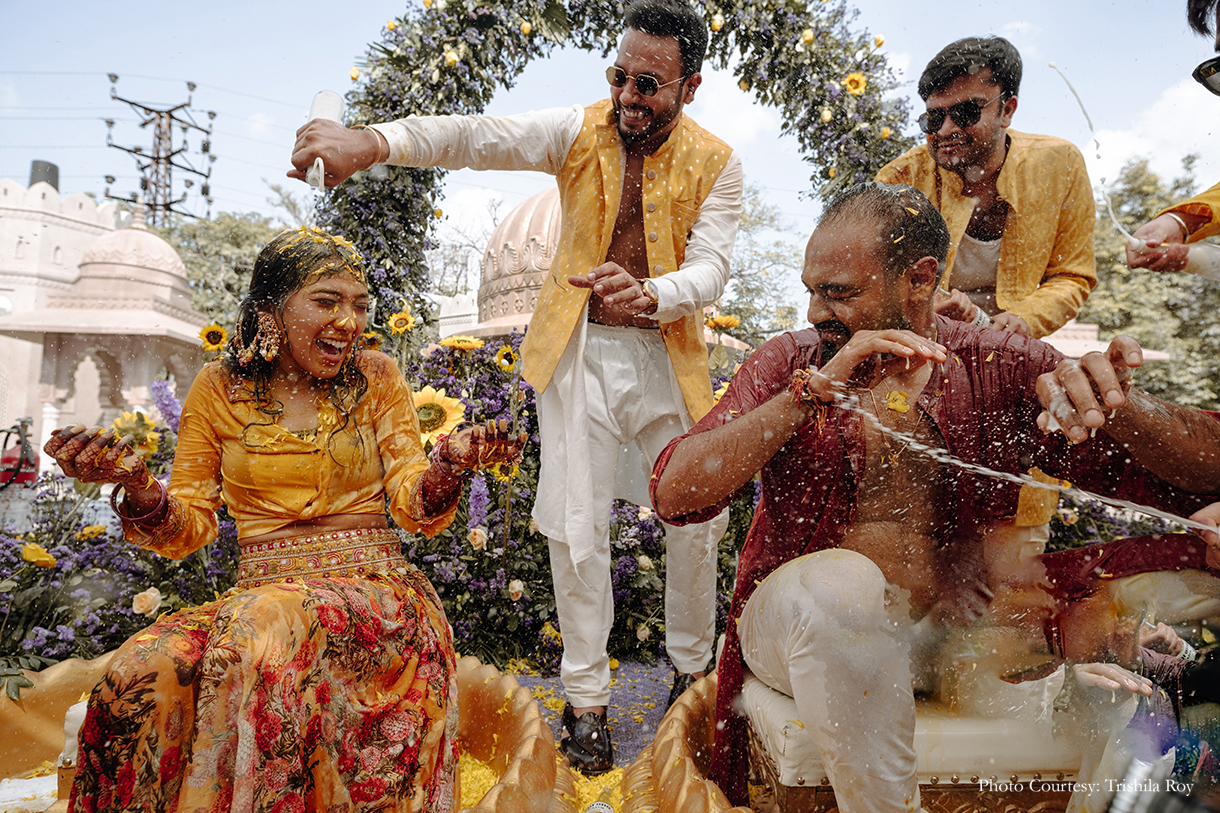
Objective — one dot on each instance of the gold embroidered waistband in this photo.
(355, 553)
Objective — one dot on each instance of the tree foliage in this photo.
(1175, 313)
(449, 57)
(219, 256)
(765, 271)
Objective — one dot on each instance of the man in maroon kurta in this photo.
(860, 529)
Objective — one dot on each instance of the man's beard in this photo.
(660, 120)
(832, 344)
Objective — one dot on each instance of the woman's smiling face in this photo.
(322, 322)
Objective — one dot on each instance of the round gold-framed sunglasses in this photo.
(645, 84)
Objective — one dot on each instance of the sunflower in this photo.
(504, 471)
(723, 322)
(401, 322)
(462, 342)
(854, 83)
(438, 415)
(506, 358)
(370, 340)
(144, 439)
(214, 337)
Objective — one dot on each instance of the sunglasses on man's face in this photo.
(964, 114)
(1208, 75)
(645, 84)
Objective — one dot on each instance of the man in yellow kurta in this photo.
(1019, 207)
(1020, 213)
(650, 205)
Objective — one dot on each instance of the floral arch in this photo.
(828, 82)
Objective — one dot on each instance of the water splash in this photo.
(852, 403)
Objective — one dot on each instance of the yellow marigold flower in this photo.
(744, 85)
(613, 663)
(90, 532)
(886, 132)
(826, 114)
(439, 214)
(526, 28)
(549, 631)
(451, 58)
(854, 83)
(717, 22)
(390, 25)
(723, 322)
(427, 3)
(438, 414)
(354, 73)
(370, 340)
(213, 337)
(506, 358)
(719, 393)
(401, 322)
(832, 172)
(37, 555)
(878, 41)
(807, 36)
(897, 401)
(462, 342)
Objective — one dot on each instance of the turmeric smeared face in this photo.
(322, 323)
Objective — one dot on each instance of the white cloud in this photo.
(259, 124)
(1182, 120)
(725, 109)
(9, 97)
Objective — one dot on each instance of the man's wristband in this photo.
(1182, 223)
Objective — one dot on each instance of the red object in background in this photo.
(28, 473)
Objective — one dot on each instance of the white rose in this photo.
(645, 512)
(516, 588)
(533, 526)
(478, 538)
(644, 562)
(147, 603)
(643, 632)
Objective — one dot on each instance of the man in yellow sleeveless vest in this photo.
(615, 349)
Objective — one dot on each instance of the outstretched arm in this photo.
(1179, 445)
(709, 466)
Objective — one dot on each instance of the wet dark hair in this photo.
(1201, 14)
(284, 266)
(910, 226)
(967, 57)
(672, 18)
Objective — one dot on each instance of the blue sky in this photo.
(258, 65)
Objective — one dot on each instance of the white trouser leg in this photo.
(690, 569)
(584, 602)
(817, 629)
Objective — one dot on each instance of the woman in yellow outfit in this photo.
(325, 680)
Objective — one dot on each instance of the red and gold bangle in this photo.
(152, 515)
